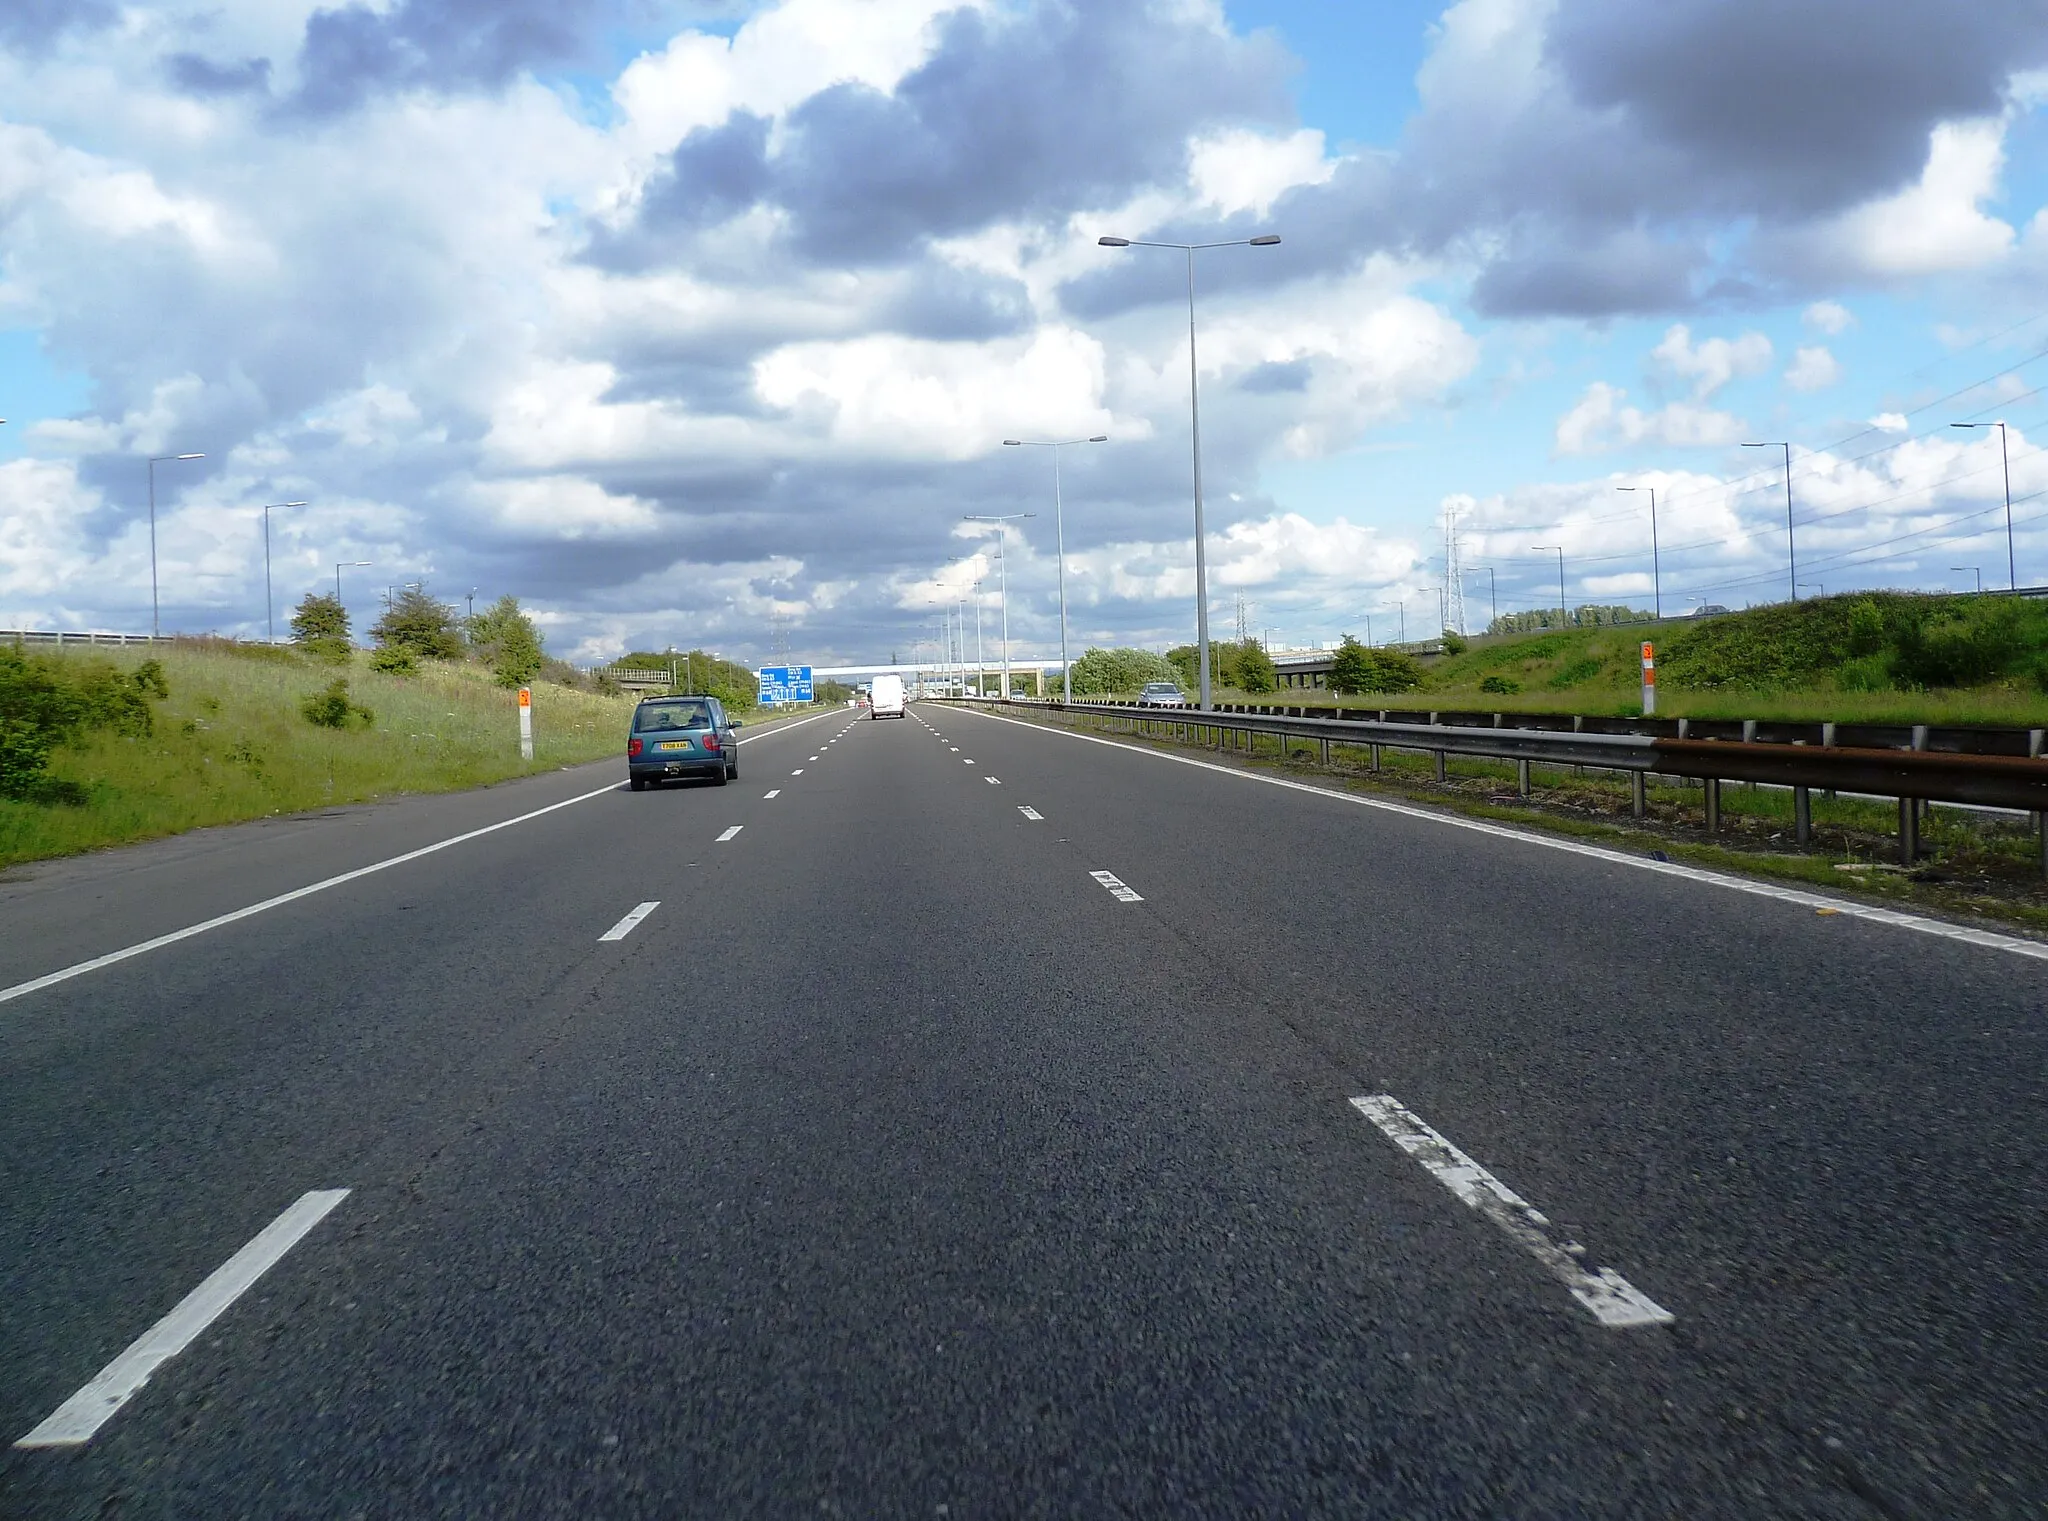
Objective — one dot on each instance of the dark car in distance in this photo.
(675, 737)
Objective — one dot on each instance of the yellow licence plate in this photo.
(673, 744)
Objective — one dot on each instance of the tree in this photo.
(422, 625)
(1255, 669)
(1102, 671)
(1356, 669)
(506, 639)
(320, 627)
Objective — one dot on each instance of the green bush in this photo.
(1504, 685)
(333, 709)
(395, 660)
(44, 704)
(421, 624)
(1356, 669)
(1102, 672)
(1455, 643)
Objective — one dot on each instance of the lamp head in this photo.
(1114, 242)
(1265, 240)
(188, 456)
(1012, 443)
(1100, 438)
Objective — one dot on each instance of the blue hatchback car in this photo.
(680, 737)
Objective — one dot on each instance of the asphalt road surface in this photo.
(968, 1129)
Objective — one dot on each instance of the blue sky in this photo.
(688, 321)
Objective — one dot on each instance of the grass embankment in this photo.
(1869, 657)
(230, 743)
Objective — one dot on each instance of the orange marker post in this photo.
(1649, 679)
(526, 722)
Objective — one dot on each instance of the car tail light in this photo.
(711, 743)
(632, 747)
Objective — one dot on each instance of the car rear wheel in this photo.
(723, 776)
(638, 783)
(732, 772)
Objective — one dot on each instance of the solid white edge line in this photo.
(730, 833)
(1610, 1298)
(2036, 950)
(74, 1421)
(21, 989)
(627, 925)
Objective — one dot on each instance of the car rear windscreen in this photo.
(672, 715)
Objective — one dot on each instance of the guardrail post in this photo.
(1442, 770)
(1375, 757)
(1909, 830)
(1326, 752)
(1802, 815)
(1522, 777)
(1713, 786)
(1638, 794)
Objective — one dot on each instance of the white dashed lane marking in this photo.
(631, 922)
(772, 792)
(993, 781)
(1611, 1298)
(1031, 813)
(730, 833)
(1117, 889)
(74, 1421)
(798, 772)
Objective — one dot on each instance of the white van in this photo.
(885, 698)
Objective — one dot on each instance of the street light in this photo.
(1003, 567)
(1791, 555)
(1656, 572)
(1059, 519)
(2011, 561)
(1973, 570)
(1493, 586)
(1564, 612)
(338, 564)
(1266, 240)
(155, 621)
(1816, 586)
(980, 665)
(269, 603)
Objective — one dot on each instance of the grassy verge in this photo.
(230, 743)
(1976, 867)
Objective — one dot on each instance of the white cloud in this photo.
(1891, 422)
(1830, 317)
(1813, 369)
(1248, 171)
(1934, 227)
(1601, 421)
(1714, 363)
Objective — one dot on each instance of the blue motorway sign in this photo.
(785, 683)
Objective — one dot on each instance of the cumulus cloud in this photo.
(1712, 364)
(1830, 317)
(1813, 369)
(1602, 420)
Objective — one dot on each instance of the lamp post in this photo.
(155, 621)
(1059, 518)
(1266, 240)
(1492, 591)
(1656, 571)
(1002, 522)
(269, 602)
(1975, 571)
(2012, 574)
(1791, 554)
(980, 665)
(1402, 606)
(338, 566)
(1564, 612)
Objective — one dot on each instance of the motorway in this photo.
(968, 1128)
